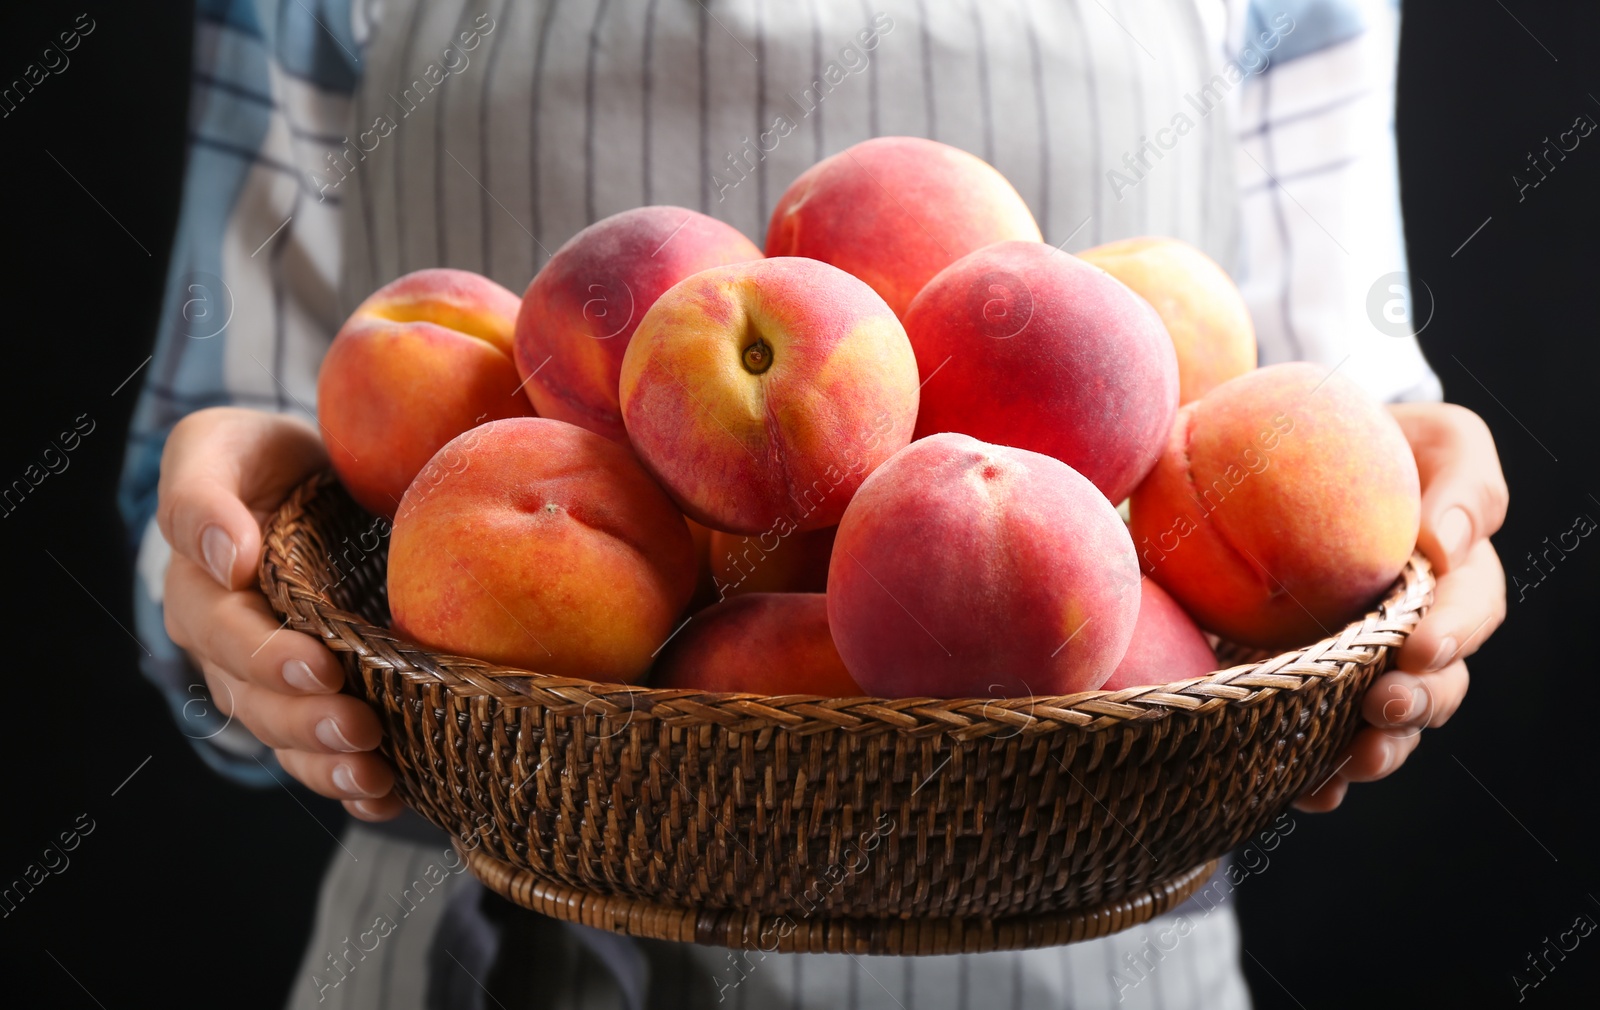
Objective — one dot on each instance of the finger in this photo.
(239, 632)
(341, 776)
(1406, 703)
(231, 696)
(217, 696)
(217, 464)
(1376, 754)
(223, 689)
(1450, 691)
(1372, 755)
(383, 808)
(1325, 797)
(1469, 603)
(1464, 494)
(325, 724)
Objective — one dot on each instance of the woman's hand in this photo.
(223, 472)
(1464, 499)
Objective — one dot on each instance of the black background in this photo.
(1428, 889)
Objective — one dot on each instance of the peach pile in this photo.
(881, 457)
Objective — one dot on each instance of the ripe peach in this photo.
(762, 394)
(1023, 345)
(534, 543)
(1167, 646)
(581, 309)
(705, 582)
(762, 643)
(894, 211)
(968, 569)
(1204, 312)
(797, 563)
(423, 359)
(1287, 499)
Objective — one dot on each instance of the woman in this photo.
(334, 149)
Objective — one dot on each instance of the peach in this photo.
(1167, 646)
(894, 211)
(1287, 499)
(423, 359)
(761, 643)
(534, 543)
(762, 394)
(1203, 311)
(581, 309)
(705, 583)
(767, 563)
(1023, 345)
(965, 569)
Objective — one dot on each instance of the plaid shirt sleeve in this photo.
(250, 302)
(1323, 260)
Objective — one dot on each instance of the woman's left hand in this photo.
(1464, 498)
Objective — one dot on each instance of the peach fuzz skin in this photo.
(423, 359)
(1023, 345)
(1286, 501)
(581, 309)
(760, 643)
(1203, 311)
(761, 394)
(894, 211)
(1167, 645)
(964, 569)
(536, 544)
(705, 583)
(797, 563)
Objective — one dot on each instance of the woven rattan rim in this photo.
(828, 935)
(1332, 659)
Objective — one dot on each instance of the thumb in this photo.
(222, 472)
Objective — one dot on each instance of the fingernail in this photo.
(1452, 531)
(370, 809)
(298, 675)
(1447, 652)
(1419, 703)
(330, 735)
(220, 554)
(345, 780)
(1387, 761)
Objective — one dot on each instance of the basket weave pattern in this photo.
(853, 808)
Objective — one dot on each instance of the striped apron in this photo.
(487, 132)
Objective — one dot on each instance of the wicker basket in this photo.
(909, 826)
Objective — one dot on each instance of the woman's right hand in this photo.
(223, 472)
